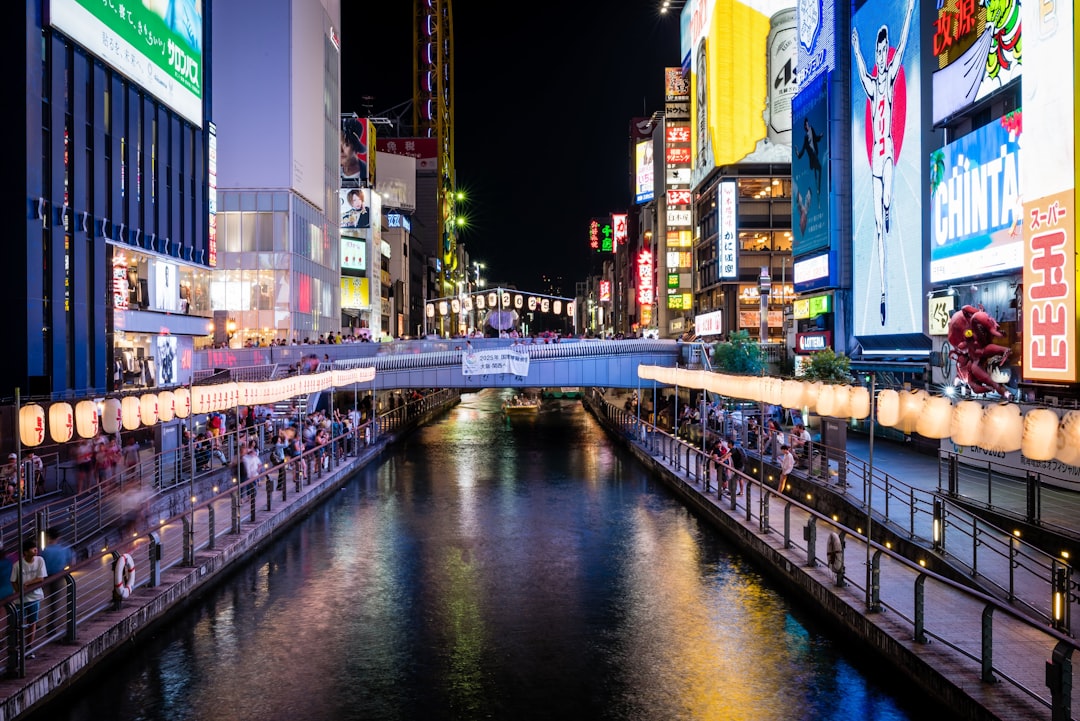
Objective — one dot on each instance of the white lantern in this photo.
(112, 416)
(32, 425)
(148, 409)
(966, 425)
(1068, 450)
(826, 400)
(841, 402)
(61, 422)
(791, 394)
(1040, 434)
(166, 406)
(911, 405)
(859, 400)
(936, 418)
(182, 402)
(888, 408)
(1003, 428)
(86, 419)
(129, 413)
(811, 391)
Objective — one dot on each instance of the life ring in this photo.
(124, 575)
(835, 553)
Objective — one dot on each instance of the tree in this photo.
(828, 367)
(738, 354)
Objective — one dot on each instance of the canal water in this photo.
(494, 568)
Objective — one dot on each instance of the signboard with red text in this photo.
(620, 232)
(728, 237)
(605, 291)
(645, 285)
(1050, 289)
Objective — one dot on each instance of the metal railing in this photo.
(1000, 641)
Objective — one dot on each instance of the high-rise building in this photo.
(108, 273)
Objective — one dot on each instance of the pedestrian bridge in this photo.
(445, 363)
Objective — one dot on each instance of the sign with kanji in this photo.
(1050, 289)
(728, 251)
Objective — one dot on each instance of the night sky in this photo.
(544, 96)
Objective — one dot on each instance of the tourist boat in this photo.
(521, 405)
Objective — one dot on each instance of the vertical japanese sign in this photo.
(211, 163)
(620, 232)
(1048, 176)
(729, 238)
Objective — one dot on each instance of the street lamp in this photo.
(230, 329)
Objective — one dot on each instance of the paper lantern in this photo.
(841, 402)
(1068, 450)
(936, 418)
(1003, 428)
(966, 425)
(166, 406)
(791, 394)
(32, 425)
(825, 400)
(859, 400)
(182, 402)
(61, 422)
(112, 416)
(911, 405)
(148, 409)
(888, 408)
(1040, 434)
(86, 419)
(811, 391)
(129, 413)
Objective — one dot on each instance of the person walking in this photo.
(738, 463)
(251, 464)
(787, 465)
(57, 556)
(30, 573)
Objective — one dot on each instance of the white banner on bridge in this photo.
(483, 362)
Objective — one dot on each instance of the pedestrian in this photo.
(30, 573)
(252, 465)
(738, 463)
(58, 556)
(787, 465)
(130, 454)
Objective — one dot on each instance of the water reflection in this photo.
(488, 570)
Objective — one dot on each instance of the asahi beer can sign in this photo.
(783, 47)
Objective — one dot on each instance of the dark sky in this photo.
(544, 98)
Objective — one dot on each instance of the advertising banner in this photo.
(728, 237)
(977, 47)
(817, 40)
(425, 150)
(354, 292)
(709, 323)
(742, 63)
(504, 360)
(1048, 177)
(976, 215)
(355, 209)
(156, 45)
(676, 94)
(886, 176)
(356, 137)
(645, 285)
(353, 251)
(809, 169)
(643, 171)
(396, 182)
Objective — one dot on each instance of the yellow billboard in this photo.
(354, 292)
(742, 74)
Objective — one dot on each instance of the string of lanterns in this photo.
(87, 418)
(494, 300)
(1039, 434)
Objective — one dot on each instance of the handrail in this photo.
(969, 610)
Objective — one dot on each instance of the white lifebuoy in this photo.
(835, 553)
(124, 575)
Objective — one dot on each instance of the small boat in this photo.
(521, 405)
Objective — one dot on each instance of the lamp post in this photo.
(230, 330)
(872, 604)
(764, 286)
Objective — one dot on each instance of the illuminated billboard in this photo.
(728, 238)
(396, 182)
(643, 171)
(357, 135)
(977, 47)
(353, 251)
(1048, 178)
(355, 293)
(817, 40)
(742, 65)
(158, 45)
(355, 207)
(976, 215)
(810, 179)
(886, 167)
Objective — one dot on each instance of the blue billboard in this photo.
(977, 209)
(886, 170)
(809, 168)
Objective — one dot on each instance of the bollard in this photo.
(1059, 680)
(810, 536)
(153, 549)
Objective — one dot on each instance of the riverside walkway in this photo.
(978, 653)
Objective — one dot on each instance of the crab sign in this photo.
(979, 360)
